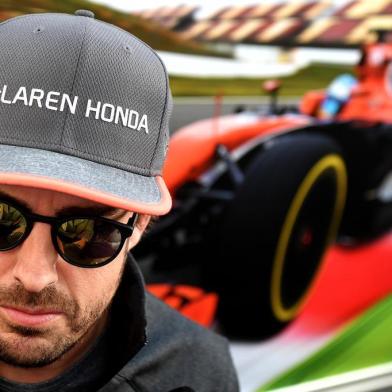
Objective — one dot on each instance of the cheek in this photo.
(7, 262)
(89, 286)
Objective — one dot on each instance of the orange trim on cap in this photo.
(41, 182)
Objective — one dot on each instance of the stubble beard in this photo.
(30, 347)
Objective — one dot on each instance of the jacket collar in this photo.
(128, 315)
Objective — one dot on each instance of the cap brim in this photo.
(79, 177)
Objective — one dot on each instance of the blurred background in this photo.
(226, 61)
(230, 47)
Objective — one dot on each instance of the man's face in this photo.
(47, 306)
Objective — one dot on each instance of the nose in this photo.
(35, 265)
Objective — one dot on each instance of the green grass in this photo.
(365, 342)
(315, 76)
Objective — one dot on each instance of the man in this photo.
(84, 111)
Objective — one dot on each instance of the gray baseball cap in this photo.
(84, 110)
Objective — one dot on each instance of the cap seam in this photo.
(73, 82)
(133, 36)
(164, 72)
(88, 19)
(120, 164)
(164, 110)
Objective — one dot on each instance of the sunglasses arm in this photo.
(132, 220)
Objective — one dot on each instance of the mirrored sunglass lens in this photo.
(12, 226)
(88, 241)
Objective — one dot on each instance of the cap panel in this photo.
(89, 151)
(122, 73)
(33, 56)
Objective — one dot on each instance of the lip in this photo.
(30, 317)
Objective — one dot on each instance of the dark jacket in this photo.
(158, 350)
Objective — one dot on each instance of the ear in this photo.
(141, 224)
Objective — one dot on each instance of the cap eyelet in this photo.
(128, 48)
(38, 29)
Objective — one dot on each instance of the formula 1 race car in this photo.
(258, 197)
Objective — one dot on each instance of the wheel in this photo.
(275, 232)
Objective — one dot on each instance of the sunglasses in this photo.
(83, 241)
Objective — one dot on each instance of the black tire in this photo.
(275, 232)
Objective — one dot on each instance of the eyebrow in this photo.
(107, 211)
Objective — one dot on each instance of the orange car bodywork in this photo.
(192, 151)
(371, 99)
(193, 302)
(192, 148)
